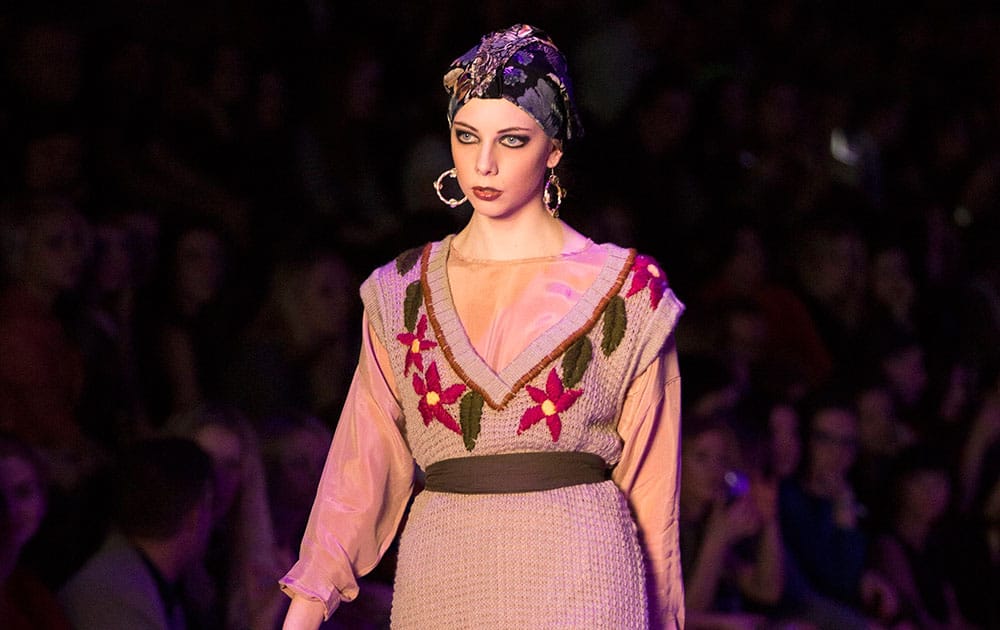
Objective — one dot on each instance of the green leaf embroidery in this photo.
(406, 260)
(414, 297)
(470, 411)
(575, 361)
(615, 321)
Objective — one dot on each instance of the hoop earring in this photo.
(552, 184)
(439, 185)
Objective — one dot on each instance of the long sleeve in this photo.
(649, 475)
(364, 489)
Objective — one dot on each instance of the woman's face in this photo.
(501, 156)
(21, 488)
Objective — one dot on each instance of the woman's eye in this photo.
(465, 137)
(514, 141)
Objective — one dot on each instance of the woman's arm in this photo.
(366, 484)
(649, 476)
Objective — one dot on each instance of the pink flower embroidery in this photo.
(648, 273)
(417, 344)
(551, 402)
(433, 400)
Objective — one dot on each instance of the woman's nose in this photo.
(485, 164)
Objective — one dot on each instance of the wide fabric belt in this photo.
(515, 472)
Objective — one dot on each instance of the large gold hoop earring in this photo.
(552, 195)
(451, 202)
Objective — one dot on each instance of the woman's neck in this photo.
(533, 236)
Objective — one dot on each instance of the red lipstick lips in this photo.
(485, 194)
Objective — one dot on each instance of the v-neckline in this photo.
(498, 387)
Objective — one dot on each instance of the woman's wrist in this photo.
(304, 614)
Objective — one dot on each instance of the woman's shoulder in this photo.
(645, 274)
(404, 262)
(398, 273)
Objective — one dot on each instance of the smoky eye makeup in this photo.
(465, 137)
(514, 141)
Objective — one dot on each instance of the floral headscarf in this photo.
(522, 65)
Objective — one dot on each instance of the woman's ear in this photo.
(555, 155)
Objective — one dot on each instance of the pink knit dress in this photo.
(464, 358)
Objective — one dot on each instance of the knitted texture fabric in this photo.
(567, 557)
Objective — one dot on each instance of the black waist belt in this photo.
(515, 472)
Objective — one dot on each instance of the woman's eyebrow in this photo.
(469, 127)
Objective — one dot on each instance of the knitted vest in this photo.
(563, 393)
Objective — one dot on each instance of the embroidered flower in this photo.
(417, 344)
(553, 400)
(433, 400)
(647, 273)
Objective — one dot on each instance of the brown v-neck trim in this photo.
(498, 388)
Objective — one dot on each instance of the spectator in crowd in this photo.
(909, 552)
(731, 545)
(112, 409)
(42, 372)
(882, 435)
(26, 601)
(830, 579)
(185, 318)
(163, 511)
(829, 267)
(976, 539)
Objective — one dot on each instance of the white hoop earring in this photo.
(552, 195)
(451, 202)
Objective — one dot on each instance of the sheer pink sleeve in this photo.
(366, 484)
(649, 475)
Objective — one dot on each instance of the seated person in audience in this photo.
(731, 545)
(26, 602)
(163, 520)
(912, 552)
(829, 578)
(42, 248)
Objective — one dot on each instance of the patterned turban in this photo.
(522, 65)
